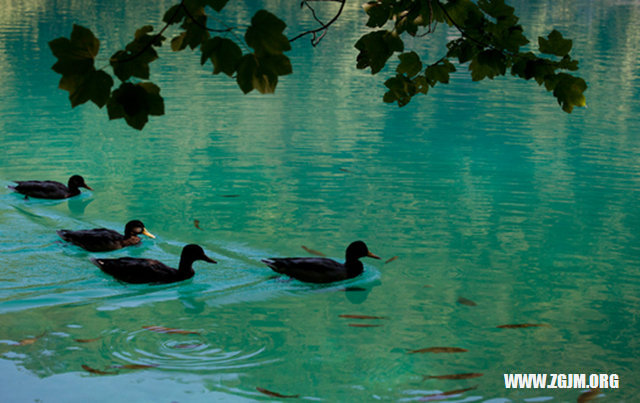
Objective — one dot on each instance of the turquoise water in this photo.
(486, 191)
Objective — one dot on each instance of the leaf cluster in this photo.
(490, 44)
(134, 99)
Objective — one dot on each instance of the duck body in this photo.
(141, 271)
(103, 239)
(51, 189)
(322, 270)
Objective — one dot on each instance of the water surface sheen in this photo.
(486, 191)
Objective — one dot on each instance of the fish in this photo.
(87, 340)
(274, 394)
(362, 325)
(588, 395)
(465, 301)
(454, 376)
(439, 350)
(361, 317)
(390, 259)
(162, 329)
(30, 340)
(443, 395)
(344, 170)
(97, 371)
(523, 325)
(133, 366)
(427, 286)
(313, 252)
(229, 195)
(196, 223)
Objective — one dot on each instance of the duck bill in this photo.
(86, 186)
(147, 233)
(369, 254)
(208, 259)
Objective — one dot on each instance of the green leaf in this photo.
(94, 86)
(75, 55)
(463, 49)
(410, 64)
(378, 13)
(261, 73)
(487, 64)
(174, 15)
(134, 60)
(401, 90)
(247, 67)
(555, 44)
(224, 54)
(278, 65)
(178, 42)
(135, 102)
(498, 10)
(569, 91)
(265, 34)
(217, 5)
(376, 48)
(439, 72)
(195, 32)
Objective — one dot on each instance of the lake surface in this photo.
(486, 191)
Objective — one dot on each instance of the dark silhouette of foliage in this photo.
(490, 44)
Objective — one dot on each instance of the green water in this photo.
(486, 191)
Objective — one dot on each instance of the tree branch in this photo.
(324, 27)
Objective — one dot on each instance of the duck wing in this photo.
(309, 269)
(136, 270)
(42, 189)
(94, 240)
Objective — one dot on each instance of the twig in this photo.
(315, 39)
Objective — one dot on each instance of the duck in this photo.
(141, 271)
(51, 189)
(323, 270)
(105, 240)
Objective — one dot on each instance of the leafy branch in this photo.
(490, 44)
